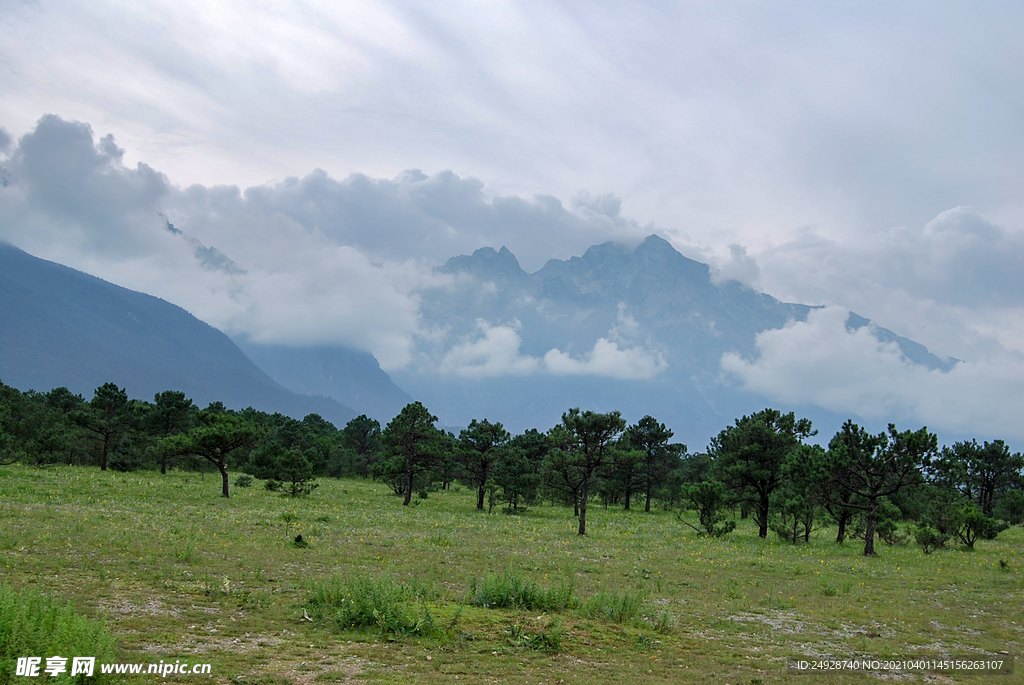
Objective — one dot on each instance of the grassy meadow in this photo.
(177, 572)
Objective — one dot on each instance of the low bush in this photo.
(974, 525)
(361, 602)
(930, 539)
(547, 639)
(614, 606)
(511, 590)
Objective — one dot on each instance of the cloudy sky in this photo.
(860, 155)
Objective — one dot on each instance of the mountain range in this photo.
(639, 330)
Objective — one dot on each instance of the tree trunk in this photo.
(408, 488)
(647, 507)
(163, 463)
(986, 502)
(841, 536)
(625, 507)
(762, 518)
(480, 498)
(869, 535)
(106, 450)
(575, 504)
(583, 508)
(224, 479)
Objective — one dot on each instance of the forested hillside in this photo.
(893, 486)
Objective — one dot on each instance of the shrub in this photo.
(974, 525)
(296, 472)
(511, 591)
(613, 606)
(360, 602)
(547, 639)
(244, 480)
(929, 539)
(32, 624)
(708, 500)
(663, 622)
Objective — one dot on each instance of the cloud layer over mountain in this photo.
(496, 352)
(317, 260)
(824, 363)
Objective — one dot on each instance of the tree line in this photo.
(886, 486)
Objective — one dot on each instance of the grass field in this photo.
(178, 572)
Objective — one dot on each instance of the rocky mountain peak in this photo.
(486, 263)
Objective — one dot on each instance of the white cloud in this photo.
(609, 360)
(740, 267)
(73, 201)
(822, 363)
(955, 283)
(496, 352)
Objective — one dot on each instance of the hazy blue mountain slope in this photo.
(651, 298)
(349, 376)
(914, 351)
(61, 327)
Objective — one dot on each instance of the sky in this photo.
(316, 160)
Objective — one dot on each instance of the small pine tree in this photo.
(295, 470)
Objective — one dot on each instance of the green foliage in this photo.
(708, 500)
(585, 441)
(547, 639)
(929, 539)
(871, 468)
(294, 469)
(618, 607)
(658, 457)
(749, 457)
(362, 447)
(511, 590)
(620, 478)
(887, 520)
(413, 448)
(981, 473)
(939, 507)
(32, 624)
(517, 479)
(243, 480)
(218, 435)
(1011, 507)
(479, 450)
(361, 602)
(975, 525)
(799, 501)
(105, 419)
